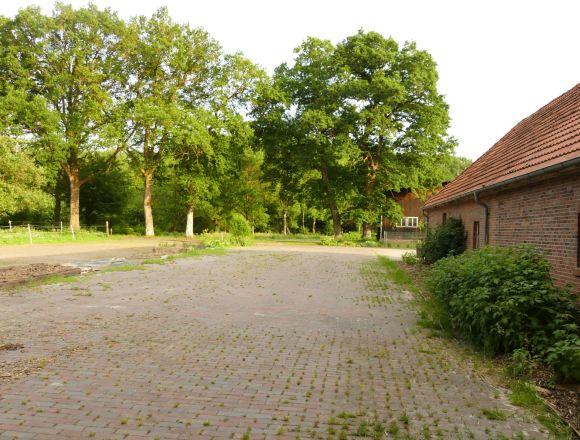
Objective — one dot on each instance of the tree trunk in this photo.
(147, 207)
(336, 226)
(189, 226)
(331, 202)
(75, 197)
(58, 187)
(285, 222)
(303, 224)
(367, 233)
(314, 226)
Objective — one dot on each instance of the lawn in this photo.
(20, 235)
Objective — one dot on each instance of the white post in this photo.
(61, 226)
(107, 228)
(29, 234)
(72, 231)
(222, 234)
(10, 225)
(111, 231)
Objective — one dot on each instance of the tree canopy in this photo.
(148, 117)
(365, 115)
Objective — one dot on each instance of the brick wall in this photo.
(543, 213)
(468, 211)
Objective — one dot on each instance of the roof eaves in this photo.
(546, 170)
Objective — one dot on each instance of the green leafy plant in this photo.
(521, 364)
(448, 239)
(240, 229)
(503, 299)
(409, 258)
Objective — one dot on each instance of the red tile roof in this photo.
(548, 137)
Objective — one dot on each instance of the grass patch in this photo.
(155, 261)
(525, 396)
(124, 268)
(397, 275)
(218, 251)
(19, 235)
(287, 238)
(494, 414)
(50, 279)
(186, 254)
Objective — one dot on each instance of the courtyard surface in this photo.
(261, 343)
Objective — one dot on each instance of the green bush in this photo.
(328, 241)
(351, 236)
(239, 229)
(502, 299)
(448, 239)
(409, 258)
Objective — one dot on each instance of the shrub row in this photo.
(502, 299)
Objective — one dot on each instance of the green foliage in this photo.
(60, 83)
(494, 414)
(19, 235)
(345, 124)
(148, 117)
(394, 273)
(240, 229)
(520, 365)
(410, 258)
(502, 299)
(114, 195)
(21, 182)
(448, 239)
(328, 241)
(350, 239)
(523, 394)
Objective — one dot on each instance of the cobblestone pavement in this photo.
(255, 344)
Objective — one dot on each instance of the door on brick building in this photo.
(475, 235)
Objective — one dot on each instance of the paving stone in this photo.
(274, 344)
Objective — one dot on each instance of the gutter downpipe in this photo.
(486, 216)
(427, 219)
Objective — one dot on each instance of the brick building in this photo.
(525, 189)
(411, 206)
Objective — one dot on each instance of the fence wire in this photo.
(21, 232)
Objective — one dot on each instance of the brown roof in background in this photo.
(548, 137)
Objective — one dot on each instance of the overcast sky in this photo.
(498, 60)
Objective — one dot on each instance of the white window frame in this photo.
(409, 222)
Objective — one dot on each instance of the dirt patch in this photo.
(11, 347)
(565, 401)
(15, 275)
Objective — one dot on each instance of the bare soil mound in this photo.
(14, 275)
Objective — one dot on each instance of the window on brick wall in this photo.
(475, 235)
(444, 219)
(578, 244)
